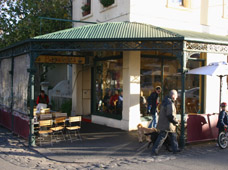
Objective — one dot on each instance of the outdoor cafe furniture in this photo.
(74, 126)
(58, 114)
(45, 131)
(59, 126)
(45, 116)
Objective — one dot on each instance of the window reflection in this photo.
(155, 72)
(109, 84)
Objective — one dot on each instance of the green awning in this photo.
(131, 31)
(112, 31)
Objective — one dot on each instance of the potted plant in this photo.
(85, 9)
(107, 3)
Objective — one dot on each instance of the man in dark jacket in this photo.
(223, 118)
(153, 101)
(167, 124)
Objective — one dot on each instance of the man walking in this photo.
(153, 101)
(167, 124)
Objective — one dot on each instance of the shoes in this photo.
(153, 153)
(177, 151)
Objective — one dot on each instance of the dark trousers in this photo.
(161, 139)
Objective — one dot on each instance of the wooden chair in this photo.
(45, 111)
(57, 114)
(45, 116)
(59, 123)
(45, 130)
(74, 125)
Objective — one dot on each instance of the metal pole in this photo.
(182, 137)
(220, 92)
(31, 117)
(183, 77)
(68, 20)
(31, 71)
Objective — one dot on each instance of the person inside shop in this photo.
(167, 124)
(119, 106)
(106, 100)
(113, 101)
(153, 101)
(143, 104)
(42, 100)
(222, 118)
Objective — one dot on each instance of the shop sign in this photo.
(60, 59)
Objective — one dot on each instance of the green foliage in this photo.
(66, 107)
(86, 7)
(107, 3)
(19, 20)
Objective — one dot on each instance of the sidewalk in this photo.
(98, 143)
(101, 148)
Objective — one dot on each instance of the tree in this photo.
(19, 19)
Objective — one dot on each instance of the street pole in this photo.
(183, 77)
(32, 72)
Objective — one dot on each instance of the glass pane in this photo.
(109, 84)
(177, 3)
(172, 79)
(192, 93)
(149, 79)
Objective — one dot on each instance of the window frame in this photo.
(186, 4)
(103, 9)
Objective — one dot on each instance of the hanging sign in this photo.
(60, 59)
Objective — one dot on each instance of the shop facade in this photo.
(129, 62)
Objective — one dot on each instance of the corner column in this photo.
(131, 90)
(76, 89)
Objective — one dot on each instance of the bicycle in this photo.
(223, 139)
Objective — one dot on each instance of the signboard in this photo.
(60, 59)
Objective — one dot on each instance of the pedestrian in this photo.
(167, 124)
(222, 118)
(153, 101)
(42, 98)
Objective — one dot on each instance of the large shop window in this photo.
(164, 73)
(109, 85)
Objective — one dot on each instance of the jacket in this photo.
(44, 100)
(222, 119)
(152, 101)
(167, 117)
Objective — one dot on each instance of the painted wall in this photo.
(119, 11)
(200, 15)
(81, 87)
